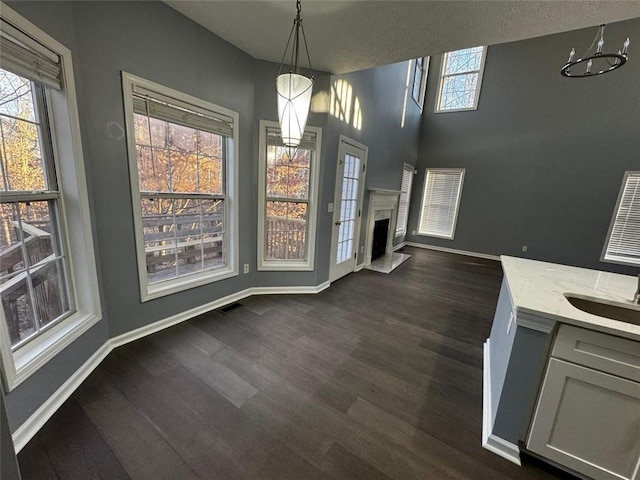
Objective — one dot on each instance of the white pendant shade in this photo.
(294, 100)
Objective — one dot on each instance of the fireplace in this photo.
(379, 245)
(381, 224)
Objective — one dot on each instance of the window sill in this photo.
(285, 267)
(446, 237)
(30, 358)
(169, 287)
(457, 110)
(621, 260)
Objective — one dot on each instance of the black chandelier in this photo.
(595, 63)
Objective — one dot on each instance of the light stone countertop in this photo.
(537, 288)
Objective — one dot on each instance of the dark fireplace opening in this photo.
(379, 245)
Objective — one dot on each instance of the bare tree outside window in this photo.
(33, 270)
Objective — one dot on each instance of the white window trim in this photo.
(312, 209)
(76, 227)
(614, 259)
(403, 230)
(423, 81)
(478, 89)
(458, 200)
(150, 292)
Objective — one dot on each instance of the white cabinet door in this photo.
(588, 421)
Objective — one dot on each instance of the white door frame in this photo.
(347, 145)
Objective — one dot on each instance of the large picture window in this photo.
(181, 159)
(288, 195)
(48, 280)
(33, 259)
(623, 241)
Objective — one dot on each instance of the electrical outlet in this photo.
(413, 232)
(524, 248)
(362, 249)
(246, 268)
(330, 208)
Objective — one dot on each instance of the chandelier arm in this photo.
(595, 39)
(286, 48)
(295, 53)
(306, 47)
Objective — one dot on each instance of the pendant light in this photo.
(293, 88)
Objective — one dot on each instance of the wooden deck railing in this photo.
(286, 239)
(14, 290)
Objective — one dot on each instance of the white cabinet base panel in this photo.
(588, 421)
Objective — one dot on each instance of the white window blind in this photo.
(623, 244)
(440, 202)
(163, 107)
(28, 58)
(403, 201)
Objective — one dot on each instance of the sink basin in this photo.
(623, 313)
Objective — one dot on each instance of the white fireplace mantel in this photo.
(383, 204)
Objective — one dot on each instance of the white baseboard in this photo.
(491, 442)
(35, 422)
(453, 250)
(359, 267)
(506, 450)
(487, 420)
(312, 289)
(399, 246)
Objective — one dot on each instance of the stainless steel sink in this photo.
(623, 313)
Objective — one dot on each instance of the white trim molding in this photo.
(383, 204)
(453, 250)
(491, 442)
(36, 421)
(534, 322)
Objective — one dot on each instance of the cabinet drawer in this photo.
(615, 355)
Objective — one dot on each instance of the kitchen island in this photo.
(532, 307)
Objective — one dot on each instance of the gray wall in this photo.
(154, 41)
(57, 19)
(524, 375)
(544, 155)
(500, 345)
(8, 464)
(265, 108)
(517, 361)
(381, 92)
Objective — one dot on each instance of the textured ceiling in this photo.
(345, 36)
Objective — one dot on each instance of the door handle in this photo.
(338, 222)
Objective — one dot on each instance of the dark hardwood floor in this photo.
(378, 377)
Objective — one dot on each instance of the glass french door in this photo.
(347, 207)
